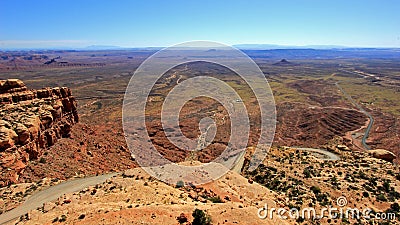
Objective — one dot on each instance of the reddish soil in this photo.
(321, 92)
(90, 150)
(190, 116)
(385, 132)
(300, 125)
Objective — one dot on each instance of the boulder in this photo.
(32, 122)
(11, 85)
(47, 118)
(129, 173)
(22, 132)
(343, 147)
(4, 123)
(43, 93)
(51, 137)
(7, 137)
(56, 91)
(14, 83)
(383, 154)
(2, 83)
(6, 98)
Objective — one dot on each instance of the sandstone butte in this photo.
(30, 121)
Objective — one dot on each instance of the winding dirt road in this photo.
(52, 193)
(329, 155)
(361, 109)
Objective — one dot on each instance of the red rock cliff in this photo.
(30, 121)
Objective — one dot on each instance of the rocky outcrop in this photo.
(383, 154)
(30, 121)
(283, 62)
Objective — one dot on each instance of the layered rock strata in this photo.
(31, 121)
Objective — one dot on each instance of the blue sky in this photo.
(73, 23)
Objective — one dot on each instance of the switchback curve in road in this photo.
(52, 193)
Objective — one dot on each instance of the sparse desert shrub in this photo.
(395, 207)
(381, 197)
(273, 169)
(180, 184)
(182, 218)
(334, 181)
(322, 198)
(62, 218)
(42, 160)
(362, 175)
(354, 187)
(386, 186)
(345, 220)
(300, 220)
(200, 218)
(316, 190)
(216, 199)
(291, 206)
(393, 195)
(307, 173)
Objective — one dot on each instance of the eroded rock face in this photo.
(30, 121)
(383, 154)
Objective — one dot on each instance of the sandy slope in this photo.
(139, 199)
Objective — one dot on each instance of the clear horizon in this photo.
(78, 24)
(112, 47)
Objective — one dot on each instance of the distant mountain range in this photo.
(239, 46)
(103, 47)
(272, 46)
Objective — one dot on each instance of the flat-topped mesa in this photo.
(30, 121)
(14, 91)
(11, 85)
